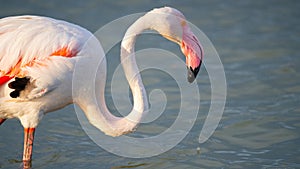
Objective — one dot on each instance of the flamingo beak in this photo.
(193, 51)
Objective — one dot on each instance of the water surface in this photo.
(258, 44)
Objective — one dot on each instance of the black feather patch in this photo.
(19, 84)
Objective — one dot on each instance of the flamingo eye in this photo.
(183, 44)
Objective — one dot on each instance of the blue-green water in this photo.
(258, 43)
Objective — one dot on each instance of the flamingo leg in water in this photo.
(1, 121)
(28, 144)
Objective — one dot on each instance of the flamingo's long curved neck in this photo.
(100, 116)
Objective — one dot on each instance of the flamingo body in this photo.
(36, 67)
(44, 50)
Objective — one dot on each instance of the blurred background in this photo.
(258, 44)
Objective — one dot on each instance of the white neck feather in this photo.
(99, 116)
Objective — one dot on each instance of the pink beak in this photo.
(193, 51)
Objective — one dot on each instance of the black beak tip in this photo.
(192, 74)
(190, 77)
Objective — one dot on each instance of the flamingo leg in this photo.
(2, 120)
(28, 144)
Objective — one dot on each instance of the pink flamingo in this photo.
(37, 61)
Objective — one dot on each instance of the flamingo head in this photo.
(173, 26)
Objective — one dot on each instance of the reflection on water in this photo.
(258, 43)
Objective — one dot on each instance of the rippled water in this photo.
(258, 44)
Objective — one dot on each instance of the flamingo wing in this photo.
(38, 49)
